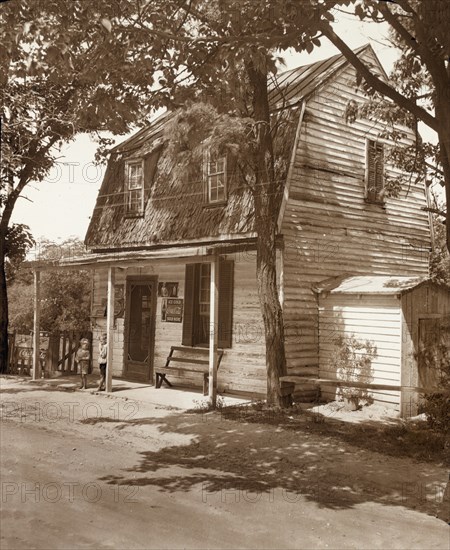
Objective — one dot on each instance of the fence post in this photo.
(53, 352)
(11, 350)
(37, 319)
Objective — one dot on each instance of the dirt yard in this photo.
(86, 470)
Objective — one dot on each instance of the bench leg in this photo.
(160, 378)
(205, 384)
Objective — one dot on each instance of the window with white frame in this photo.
(216, 179)
(134, 183)
(374, 171)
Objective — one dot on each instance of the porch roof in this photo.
(129, 258)
(370, 284)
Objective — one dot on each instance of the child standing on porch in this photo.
(102, 360)
(83, 358)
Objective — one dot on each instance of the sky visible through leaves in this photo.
(61, 205)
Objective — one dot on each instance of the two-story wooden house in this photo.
(158, 244)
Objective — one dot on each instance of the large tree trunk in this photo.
(3, 312)
(4, 318)
(266, 196)
(443, 115)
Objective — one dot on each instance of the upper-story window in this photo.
(216, 179)
(374, 171)
(134, 184)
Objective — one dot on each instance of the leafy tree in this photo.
(65, 295)
(61, 73)
(18, 242)
(440, 257)
(419, 89)
(83, 60)
(222, 59)
(71, 66)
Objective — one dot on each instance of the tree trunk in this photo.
(4, 318)
(442, 111)
(266, 196)
(3, 312)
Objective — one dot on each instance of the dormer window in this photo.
(374, 171)
(134, 183)
(216, 179)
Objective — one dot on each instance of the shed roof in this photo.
(370, 284)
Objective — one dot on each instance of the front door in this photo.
(140, 328)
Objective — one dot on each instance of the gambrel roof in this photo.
(175, 212)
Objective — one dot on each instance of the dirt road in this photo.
(86, 471)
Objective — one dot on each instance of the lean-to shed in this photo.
(403, 316)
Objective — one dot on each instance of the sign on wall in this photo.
(172, 310)
(168, 290)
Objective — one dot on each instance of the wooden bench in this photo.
(185, 363)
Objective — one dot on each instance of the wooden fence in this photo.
(57, 352)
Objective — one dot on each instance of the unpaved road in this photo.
(86, 471)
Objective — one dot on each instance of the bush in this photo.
(352, 362)
(436, 405)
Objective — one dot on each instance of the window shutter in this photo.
(226, 271)
(150, 164)
(375, 170)
(189, 302)
(379, 161)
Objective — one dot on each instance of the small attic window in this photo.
(215, 179)
(374, 171)
(134, 187)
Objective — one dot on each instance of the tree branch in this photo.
(376, 83)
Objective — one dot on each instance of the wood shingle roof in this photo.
(175, 212)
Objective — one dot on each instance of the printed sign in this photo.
(167, 290)
(27, 353)
(174, 310)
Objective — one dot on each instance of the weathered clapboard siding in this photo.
(423, 302)
(243, 366)
(328, 227)
(344, 315)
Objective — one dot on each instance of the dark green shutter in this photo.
(189, 302)
(226, 271)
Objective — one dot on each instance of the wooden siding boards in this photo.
(424, 301)
(243, 365)
(328, 227)
(346, 315)
(388, 312)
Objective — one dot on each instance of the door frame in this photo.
(143, 279)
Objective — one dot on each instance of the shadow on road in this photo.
(303, 461)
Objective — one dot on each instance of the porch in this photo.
(178, 398)
(149, 301)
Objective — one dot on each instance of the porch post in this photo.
(36, 325)
(214, 330)
(110, 326)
